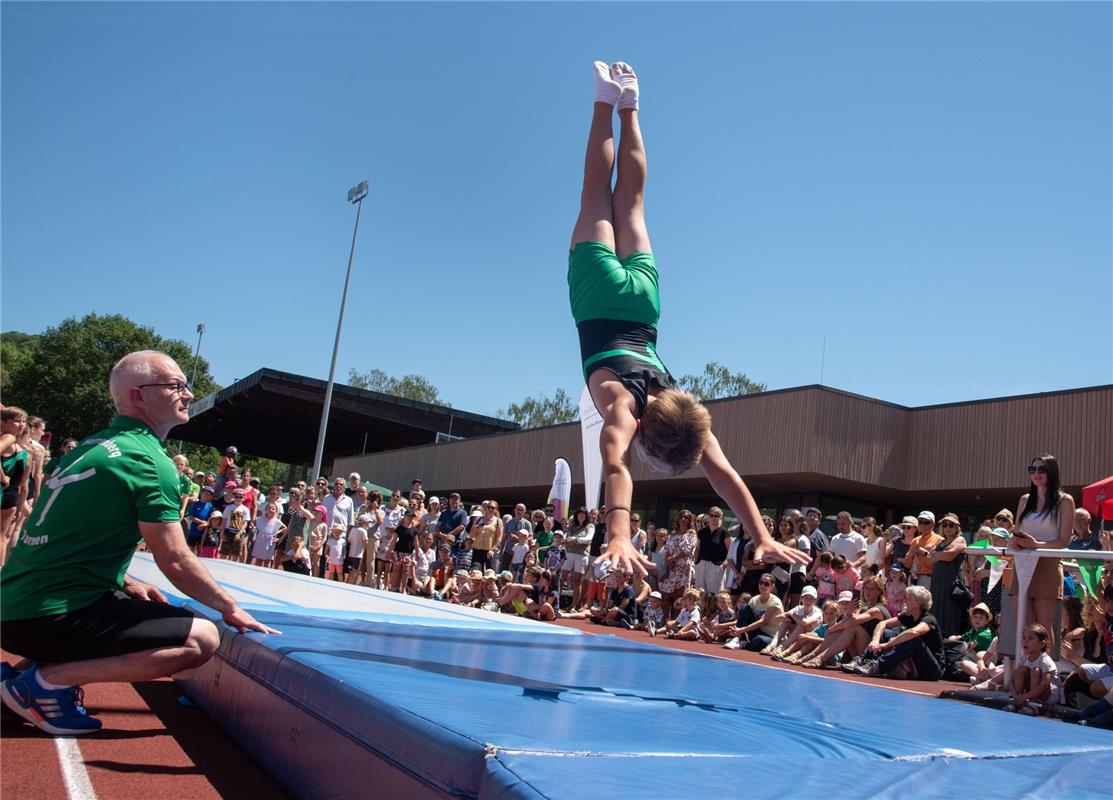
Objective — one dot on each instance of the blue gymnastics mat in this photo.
(370, 694)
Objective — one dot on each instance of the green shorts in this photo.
(600, 286)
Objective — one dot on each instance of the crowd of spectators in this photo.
(911, 600)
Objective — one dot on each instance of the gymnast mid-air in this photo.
(613, 289)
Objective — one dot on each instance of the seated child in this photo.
(714, 628)
(654, 616)
(686, 624)
(808, 644)
(1035, 679)
(800, 619)
(977, 639)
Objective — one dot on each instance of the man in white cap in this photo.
(922, 545)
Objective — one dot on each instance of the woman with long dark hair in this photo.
(1044, 519)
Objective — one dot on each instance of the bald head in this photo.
(136, 369)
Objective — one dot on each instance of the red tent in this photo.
(1097, 498)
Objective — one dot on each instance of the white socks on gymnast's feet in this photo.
(607, 89)
(623, 75)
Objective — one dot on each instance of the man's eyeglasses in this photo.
(1037, 470)
(177, 386)
(1000, 518)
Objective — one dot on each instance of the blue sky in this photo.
(926, 185)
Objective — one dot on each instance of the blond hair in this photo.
(674, 428)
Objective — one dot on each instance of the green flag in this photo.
(983, 543)
(1091, 574)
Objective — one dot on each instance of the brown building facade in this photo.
(809, 446)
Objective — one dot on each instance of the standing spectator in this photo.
(185, 482)
(334, 553)
(431, 520)
(233, 538)
(454, 520)
(818, 539)
(637, 533)
(1083, 537)
(797, 573)
(657, 556)
(580, 533)
(848, 543)
(711, 554)
(297, 520)
(515, 524)
(680, 555)
(404, 536)
(210, 535)
(268, 531)
(16, 463)
(355, 483)
(198, 516)
(341, 508)
(315, 542)
(875, 545)
(555, 557)
(227, 469)
(923, 544)
(487, 531)
(1044, 519)
(946, 562)
(424, 557)
(463, 554)
(542, 539)
(897, 546)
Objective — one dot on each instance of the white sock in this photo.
(623, 75)
(606, 89)
(50, 687)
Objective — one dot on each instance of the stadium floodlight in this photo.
(355, 195)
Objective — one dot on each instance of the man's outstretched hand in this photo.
(143, 591)
(244, 622)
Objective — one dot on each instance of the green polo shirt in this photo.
(80, 538)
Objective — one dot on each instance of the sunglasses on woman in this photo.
(1037, 470)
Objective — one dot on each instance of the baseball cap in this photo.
(460, 571)
(434, 499)
(655, 594)
(477, 513)
(1002, 532)
(365, 518)
(230, 484)
(454, 494)
(208, 489)
(231, 449)
(809, 591)
(216, 513)
(909, 521)
(927, 515)
(320, 510)
(254, 481)
(507, 574)
(488, 573)
(847, 596)
(896, 568)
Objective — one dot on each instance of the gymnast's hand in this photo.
(244, 622)
(624, 556)
(775, 551)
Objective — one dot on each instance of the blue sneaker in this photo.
(56, 711)
(7, 672)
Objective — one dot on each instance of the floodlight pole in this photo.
(355, 195)
(193, 371)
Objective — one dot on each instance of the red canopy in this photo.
(1097, 498)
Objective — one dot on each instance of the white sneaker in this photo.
(733, 644)
(652, 628)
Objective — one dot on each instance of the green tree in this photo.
(62, 374)
(412, 387)
(718, 381)
(536, 412)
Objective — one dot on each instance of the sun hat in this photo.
(809, 591)
(365, 518)
(489, 573)
(909, 521)
(983, 608)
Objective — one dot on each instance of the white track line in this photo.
(78, 785)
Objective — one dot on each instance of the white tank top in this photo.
(1042, 527)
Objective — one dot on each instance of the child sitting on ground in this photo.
(296, 558)
(686, 624)
(977, 639)
(654, 616)
(800, 619)
(1035, 679)
(808, 644)
(714, 628)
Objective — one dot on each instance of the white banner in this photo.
(560, 496)
(591, 426)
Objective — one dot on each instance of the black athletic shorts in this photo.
(114, 625)
(796, 583)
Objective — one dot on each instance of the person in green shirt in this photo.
(66, 603)
(614, 295)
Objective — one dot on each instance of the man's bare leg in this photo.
(595, 223)
(203, 640)
(628, 204)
